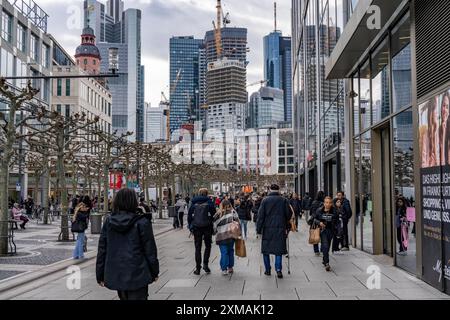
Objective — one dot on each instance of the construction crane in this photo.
(166, 102)
(218, 29)
(262, 83)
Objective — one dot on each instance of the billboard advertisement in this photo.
(434, 133)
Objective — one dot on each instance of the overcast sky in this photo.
(162, 19)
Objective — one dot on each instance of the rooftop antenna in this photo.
(275, 14)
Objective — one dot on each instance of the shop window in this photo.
(401, 64)
(380, 83)
(357, 173)
(364, 96)
(366, 192)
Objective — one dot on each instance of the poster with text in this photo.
(434, 132)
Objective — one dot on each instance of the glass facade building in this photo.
(278, 67)
(186, 54)
(391, 112)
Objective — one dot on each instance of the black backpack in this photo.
(201, 215)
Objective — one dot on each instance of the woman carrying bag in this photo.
(227, 230)
(79, 225)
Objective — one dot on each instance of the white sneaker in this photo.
(225, 273)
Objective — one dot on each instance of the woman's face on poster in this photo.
(445, 109)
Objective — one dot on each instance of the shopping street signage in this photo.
(331, 144)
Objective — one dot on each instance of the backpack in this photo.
(201, 215)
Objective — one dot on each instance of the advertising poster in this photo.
(434, 142)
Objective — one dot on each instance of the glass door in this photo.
(386, 191)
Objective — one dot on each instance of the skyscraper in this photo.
(121, 30)
(277, 67)
(234, 44)
(185, 74)
(266, 108)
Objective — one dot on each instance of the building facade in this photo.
(186, 78)
(155, 124)
(25, 50)
(234, 45)
(123, 32)
(396, 101)
(278, 67)
(266, 108)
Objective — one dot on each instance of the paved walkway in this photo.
(308, 279)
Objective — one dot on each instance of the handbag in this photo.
(241, 250)
(78, 226)
(314, 236)
(235, 229)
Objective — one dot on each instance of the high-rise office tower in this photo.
(185, 80)
(121, 30)
(266, 108)
(234, 44)
(278, 67)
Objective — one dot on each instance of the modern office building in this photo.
(266, 108)
(227, 115)
(395, 100)
(278, 67)
(25, 50)
(121, 30)
(155, 124)
(186, 78)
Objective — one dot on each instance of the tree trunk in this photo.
(106, 184)
(61, 178)
(45, 188)
(160, 187)
(4, 171)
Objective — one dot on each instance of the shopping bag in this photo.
(314, 236)
(240, 249)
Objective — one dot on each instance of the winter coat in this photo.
(244, 210)
(273, 222)
(181, 206)
(255, 209)
(330, 218)
(200, 200)
(296, 204)
(346, 209)
(222, 227)
(127, 253)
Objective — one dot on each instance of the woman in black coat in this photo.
(273, 223)
(316, 205)
(127, 254)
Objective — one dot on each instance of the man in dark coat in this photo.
(347, 215)
(274, 223)
(127, 254)
(296, 205)
(200, 221)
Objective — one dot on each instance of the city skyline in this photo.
(257, 16)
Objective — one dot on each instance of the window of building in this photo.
(68, 87)
(401, 64)
(6, 27)
(380, 83)
(7, 63)
(58, 108)
(85, 62)
(21, 37)
(59, 87)
(356, 110)
(34, 47)
(365, 96)
(45, 55)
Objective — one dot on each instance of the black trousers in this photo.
(180, 218)
(325, 243)
(200, 235)
(140, 294)
(345, 242)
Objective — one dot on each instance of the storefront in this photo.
(397, 103)
(332, 164)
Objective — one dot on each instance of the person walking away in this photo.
(18, 215)
(401, 221)
(226, 229)
(29, 206)
(296, 205)
(338, 231)
(200, 221)
(181, 206)
(326, 217)
(316, 205)
(244, 209)
(127, 259)
(144, 209)
(273, 224)
(81, 217)
(347, 214)
(306, 205)
(255, 208)
(86, 200)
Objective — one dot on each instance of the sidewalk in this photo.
(308, 280)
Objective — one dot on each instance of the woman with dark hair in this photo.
(127, 255)
(315, 206)
(444, 130)
(401, 223)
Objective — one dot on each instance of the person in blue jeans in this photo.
(81, 215)
(273, 224)
(244, 210)
(226, 229)
(315, 206)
